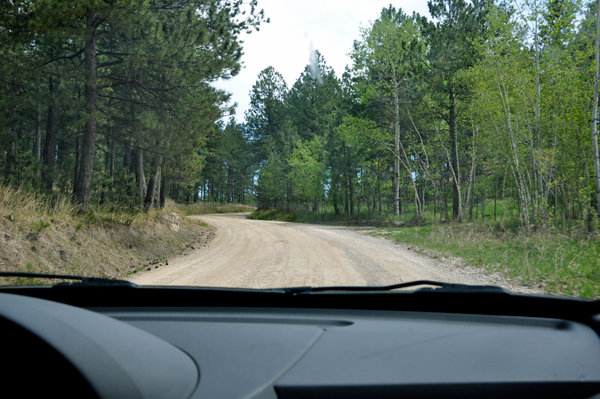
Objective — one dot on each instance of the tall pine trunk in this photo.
(163, 190)
(77, 161)
(139, 173)
(37, 146)
(11, 154)
(52, 134)
(153, 185)
(111, 160)
(88, 149)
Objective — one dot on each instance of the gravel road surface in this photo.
(266, 254)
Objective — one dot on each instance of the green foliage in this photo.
(273, 214)
(230, 165)
(308, 170)
(312, 100)
(271, 187)
(154, 108)
(590, 220)
(40, 226)
(266, 114)
(139, 269)
(558, 21)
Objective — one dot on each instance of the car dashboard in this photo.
(250, 351)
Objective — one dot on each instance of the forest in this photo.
(486, 109)
(110, 102)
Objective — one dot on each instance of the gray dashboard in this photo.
(257, 352)
(269, 353)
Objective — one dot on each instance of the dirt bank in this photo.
(68, 246)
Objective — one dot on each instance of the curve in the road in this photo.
(266, 254)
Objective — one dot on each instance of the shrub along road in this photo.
(248, 253)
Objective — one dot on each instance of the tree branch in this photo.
(69, 57)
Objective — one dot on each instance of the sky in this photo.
(298, 27)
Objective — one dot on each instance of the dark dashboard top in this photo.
(299, 343)
(480, 302)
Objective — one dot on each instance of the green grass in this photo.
(139, 269)
(565, 265)
(38, 227)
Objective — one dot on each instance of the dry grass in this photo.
(38, 234)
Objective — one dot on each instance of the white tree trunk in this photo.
(595, 114)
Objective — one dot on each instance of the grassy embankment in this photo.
(562, 256)
(563, 264)
(38, 236)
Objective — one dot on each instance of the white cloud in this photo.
(285, 43)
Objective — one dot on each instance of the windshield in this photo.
(274, 143)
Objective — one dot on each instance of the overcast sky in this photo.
(296, 26)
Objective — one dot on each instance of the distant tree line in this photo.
(487, 108)
(111, 100)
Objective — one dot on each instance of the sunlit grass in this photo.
(564, 265)
(48, 234)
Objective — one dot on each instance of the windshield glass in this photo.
(280, 143)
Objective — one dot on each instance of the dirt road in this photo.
(266, 254)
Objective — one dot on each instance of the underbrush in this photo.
(368, 219)
(50, 235)
(562, 264)
(204, 208)
(363, 219)
(274, 214)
